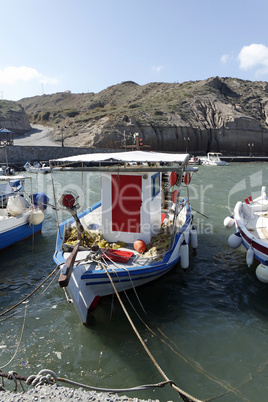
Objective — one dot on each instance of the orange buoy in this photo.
(173, 178)
(174, 196)
(187, 178)
(140, 246)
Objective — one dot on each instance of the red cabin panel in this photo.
(126, 203)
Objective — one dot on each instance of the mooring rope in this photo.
(16, 351)
(184, 395)
(29, 295)
(191, 362)
(48, 377)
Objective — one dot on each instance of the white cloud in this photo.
(254, 55)
(12, 75)
(157, 69)
(225, 58)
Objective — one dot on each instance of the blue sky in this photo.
(50, 46)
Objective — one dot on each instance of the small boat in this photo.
(250, 218)
(127, 238)
(6, 170)
(194, 160)
(36, 167)
(213, 159)
(20, 216)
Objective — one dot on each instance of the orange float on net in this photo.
(187, 178)
(140, 246)
(173, 178)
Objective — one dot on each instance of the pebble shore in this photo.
(57, 393)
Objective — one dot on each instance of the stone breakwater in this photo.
(19, 155)
(64, 394)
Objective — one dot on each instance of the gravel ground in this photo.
(57, 393)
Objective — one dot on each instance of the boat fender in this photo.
(229, 221)
(235, 240)
(16, 205)
(36, 217)
(184, 251)
(250, 256)
(194, 239)
(174, 196)
(173, 178)
(262, 272)
(187, 178)
(139, 246)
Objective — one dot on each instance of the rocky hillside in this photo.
(13, 117)
(217, 114)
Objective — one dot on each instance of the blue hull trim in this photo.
(17, 234)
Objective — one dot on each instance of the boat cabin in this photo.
(131, 206)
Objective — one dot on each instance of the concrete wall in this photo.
(19, 155)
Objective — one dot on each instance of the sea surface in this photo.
(206, 327)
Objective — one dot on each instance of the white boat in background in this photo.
(6, 170)
(36, 167)
(194, 160)
(213, 159)
(21, 216)
(250, 218)
(126, 239)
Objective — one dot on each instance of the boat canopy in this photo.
(122, 158)
(13, 178)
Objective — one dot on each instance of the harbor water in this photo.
(206, 327)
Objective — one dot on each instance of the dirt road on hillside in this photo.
(39, 135)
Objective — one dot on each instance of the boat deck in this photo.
(258, 226)
(125, 256)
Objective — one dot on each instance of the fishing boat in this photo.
(250, 218)
(129, 237)
(36, 167)
(213, 159)
(21, 215)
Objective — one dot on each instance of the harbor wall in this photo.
(17, 156)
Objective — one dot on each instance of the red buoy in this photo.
(67, 200)
(187, 178)
(173, 178)
(140, 246)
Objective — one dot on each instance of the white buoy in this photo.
(262, 272)
(235, 240)
(184, 251)
(16, 205)
(36, 217)
(229, 222)
(194, 240)
(250, 256)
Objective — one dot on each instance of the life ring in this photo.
(173, 178)
(187, 178)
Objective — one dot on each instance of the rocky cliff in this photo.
(217, 114)
(13, 117)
